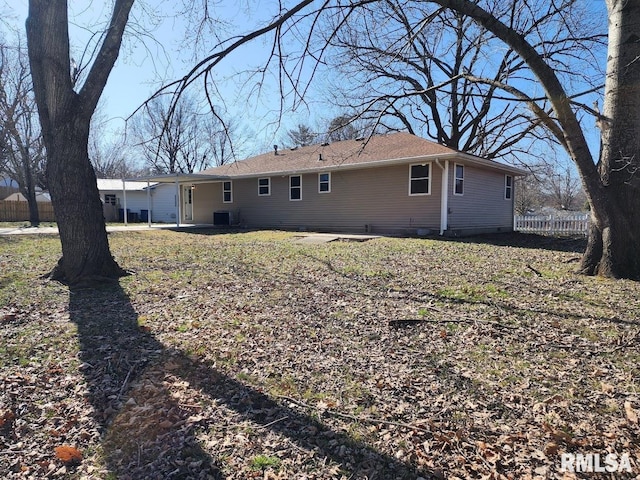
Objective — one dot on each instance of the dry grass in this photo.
(248, 355)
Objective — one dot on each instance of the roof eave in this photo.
(180, 178)
(382, 163)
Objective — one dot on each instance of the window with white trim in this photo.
(420, 179)
(458, 185)
(508, 187)
(264, 187)
(227, 196)
(295, 187)
(324, 183)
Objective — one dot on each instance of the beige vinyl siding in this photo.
(482, 206)
(377, 197)
(207, 198)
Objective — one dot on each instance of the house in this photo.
(140, 197)
(7, 187)
(396, 183)
(41, 197)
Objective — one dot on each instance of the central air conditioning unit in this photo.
(222, 218)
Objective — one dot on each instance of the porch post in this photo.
(124, 196)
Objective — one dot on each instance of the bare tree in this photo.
(109, 152)
(611, 184)
(181, 138)
(529, 196)
(420, 64)
(563, 188)
(21, 144)
(349, 127)
(65, 107)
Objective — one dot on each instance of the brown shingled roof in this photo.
(394, 148)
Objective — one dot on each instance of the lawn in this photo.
(252, 355)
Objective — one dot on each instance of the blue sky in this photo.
(148, 61)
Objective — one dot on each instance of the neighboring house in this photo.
(41, 197)
(396, 183)
(160, 200)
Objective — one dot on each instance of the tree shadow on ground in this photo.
(572, 244)
(149, 431)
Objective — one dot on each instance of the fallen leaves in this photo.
(632, 416)
(247, 345)
(67, 454)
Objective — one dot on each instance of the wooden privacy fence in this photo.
(576, 224)
(19, 211)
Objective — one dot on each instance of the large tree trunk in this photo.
(34, 213)
(614, 237)
(29, 190)
(86, 257)
(65, 116)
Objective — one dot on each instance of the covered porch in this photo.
(184, 197)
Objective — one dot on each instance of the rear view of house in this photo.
(397, 183)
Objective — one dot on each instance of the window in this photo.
(458, 188)
(508, 187)
(324, 183)
(420, 179)
(295, 187)
(264, 187)
(227, 197)
(110, 199)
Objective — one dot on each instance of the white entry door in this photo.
(187, 203)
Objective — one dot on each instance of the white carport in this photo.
(178, 179)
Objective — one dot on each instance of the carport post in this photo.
(148, 204)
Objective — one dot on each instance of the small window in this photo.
(295, 187)
(227, 196)
(420, 179)
(264, 187)
(508, 187)
(110, 199)
(324, 183)
(458, 188)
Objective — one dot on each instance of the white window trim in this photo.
(455, 178)
(290, 187)
(327, 182)
(508, 187)
(421, 178)
(268, 185)
(230, 182)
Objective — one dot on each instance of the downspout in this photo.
(124, 196)
(444, 196)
